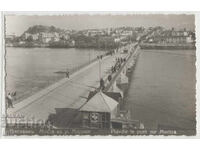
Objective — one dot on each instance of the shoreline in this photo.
(83, 48)
(168, 46)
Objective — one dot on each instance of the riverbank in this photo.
(61, 47)
(77, 42)
(168, 46)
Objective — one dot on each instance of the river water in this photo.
(31, 69)
(162, 89)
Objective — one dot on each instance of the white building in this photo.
(47, 37)
(26, 35)
(35, 36)
(127, 33)
(189, 39)
(95, 32)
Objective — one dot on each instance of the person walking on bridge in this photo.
(67, 74)
(109, 77)
(9, 101)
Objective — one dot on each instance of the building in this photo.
(26, 35)
(171, 36)
(99, 111)
(35, 36)
(10, 37)
(64, 36)
(189, 39)
(117, 40)
(127, 33)
(96, 113)
(73, 43)
(108, 31)
(95, 32)
(47, 37)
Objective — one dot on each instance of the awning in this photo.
(100, 103)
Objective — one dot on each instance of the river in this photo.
(162, 89)
(32, 69)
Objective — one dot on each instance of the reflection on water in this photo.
(162, 90)
(31, 69)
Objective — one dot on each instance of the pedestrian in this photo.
(119, 66)
(9, 100)
(67, 74)
(112, 69)
(109, 78)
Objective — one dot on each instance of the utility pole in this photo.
(89, 56)
(99, 68)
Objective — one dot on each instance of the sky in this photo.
(17, 24)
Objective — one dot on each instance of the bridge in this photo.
(70, 92)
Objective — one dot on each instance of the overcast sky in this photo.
(18, 24)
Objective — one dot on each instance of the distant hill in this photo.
(40, 28)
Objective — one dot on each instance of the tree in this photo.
(29, 39)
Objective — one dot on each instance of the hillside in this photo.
(40, 28)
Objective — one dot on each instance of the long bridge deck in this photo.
(67, 93)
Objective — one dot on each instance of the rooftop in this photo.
(100, 103)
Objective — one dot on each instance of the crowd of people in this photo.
(114, 69)
(117, 65)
